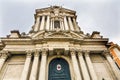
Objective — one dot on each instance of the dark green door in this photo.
(59, 70)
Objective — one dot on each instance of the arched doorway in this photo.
(59, 70)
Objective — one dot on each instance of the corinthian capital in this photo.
(87, 53)
(37, 52)
(4, 54)
(72, 51)
(80, 52)
(44, 51)
(106, 52)
(29, 53)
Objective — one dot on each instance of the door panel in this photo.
(59, 70)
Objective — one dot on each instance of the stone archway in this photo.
(59, 70)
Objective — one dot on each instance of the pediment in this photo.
(38, 35)
(57, 35)
(43, 34)
(76, 35)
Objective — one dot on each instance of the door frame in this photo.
(50, 58)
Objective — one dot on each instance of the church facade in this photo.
(56, 49)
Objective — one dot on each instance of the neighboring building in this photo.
(115, 52)
(56, 49)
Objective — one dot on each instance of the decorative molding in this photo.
(80, 52)
(44, 51)
(87, 53)
(106, 53)
(37, 52)
(4, 54)
(72, 51)
(29, 53)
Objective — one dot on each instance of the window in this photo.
(56, 24)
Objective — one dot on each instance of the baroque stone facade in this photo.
(56, 49)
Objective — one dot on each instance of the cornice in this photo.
(92, 41)
(17, 41)
(114, 46)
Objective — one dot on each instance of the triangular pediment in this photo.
(38, 35)
(57, 35)
(60, 34)
(76, 35)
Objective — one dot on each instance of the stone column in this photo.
(48, 23)
(75, 65)
(51, 24)
(36, 27)
(83, 66)
(63, 28)
(42, 23)
(70, 23)
(34, 71)
(112, 64)
(42, 71)
(66, 23)
(26, 66)
(4, 56)
(90, 66)
(76, 27)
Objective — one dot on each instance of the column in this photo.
(63, 28)
(75, 25)
(83, 66)
(42, 71)
(66, 23)
(75, 65)
(51, 24)
(34, 71)
(70, 23)
(36, 27)
(26, 66)
(4, 56)
(48, 23)
(90, 66)
(42, 23)
(112, 64)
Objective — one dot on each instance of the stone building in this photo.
(115, 52)
(56, 49)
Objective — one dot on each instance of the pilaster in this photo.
(75, 65)
(76, 27)
(70, 23)
(34, 71)
(48, 23)
(66, 23)
(90, 65)
(112, 64)
(26, 65)
(4, 56)
(83, 66)
(36, 26)
(42, 71)
(42, 23)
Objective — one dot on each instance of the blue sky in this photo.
(93, 15)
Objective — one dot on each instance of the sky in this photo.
(92, 15)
